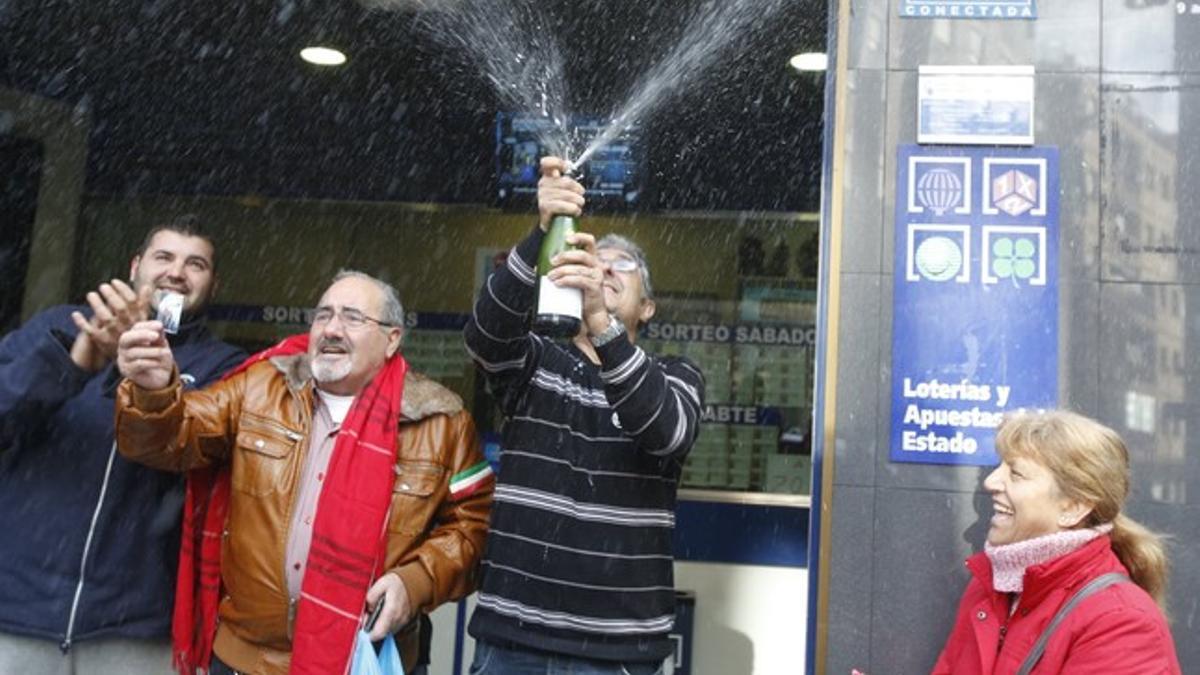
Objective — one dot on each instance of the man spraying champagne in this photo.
(577, 573)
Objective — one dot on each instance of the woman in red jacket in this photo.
(1057, 527)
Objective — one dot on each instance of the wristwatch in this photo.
(615, 329)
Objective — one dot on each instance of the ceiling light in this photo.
(809, 61)
(323, 56)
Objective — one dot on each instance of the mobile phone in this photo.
(374, 616)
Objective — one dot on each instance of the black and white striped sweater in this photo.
(579, 552)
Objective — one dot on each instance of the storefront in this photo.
(406, 163)
(966, 171)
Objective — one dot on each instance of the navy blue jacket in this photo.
(88, 540)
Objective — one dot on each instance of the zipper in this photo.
(306, 423)
(262, 422)
(87, 547)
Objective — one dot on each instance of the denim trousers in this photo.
(493, 659)
(103, 656)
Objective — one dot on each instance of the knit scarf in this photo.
(348, 538)
(1009, 561)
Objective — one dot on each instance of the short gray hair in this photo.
(626, 245)
(393, 311)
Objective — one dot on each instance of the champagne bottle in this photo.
(559, 310)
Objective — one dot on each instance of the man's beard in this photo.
(326, 370)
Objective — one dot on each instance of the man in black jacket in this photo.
(91, 541)
(577, 573)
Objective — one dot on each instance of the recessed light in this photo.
(323, 56)
(809, 61)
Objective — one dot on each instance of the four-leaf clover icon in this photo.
(1013, 259)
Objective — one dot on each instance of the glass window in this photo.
(412, 160)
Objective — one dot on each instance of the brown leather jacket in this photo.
(259, 420)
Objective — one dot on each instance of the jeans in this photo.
(103, 656)
(492, 659)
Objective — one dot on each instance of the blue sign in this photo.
(975, 305)
(777, 334)
(968, 9)
(747, 415)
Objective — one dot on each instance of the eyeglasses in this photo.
(351, 318)
(620, 263)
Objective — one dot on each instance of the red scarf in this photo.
(348, 539)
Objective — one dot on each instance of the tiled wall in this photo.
(1118, 92)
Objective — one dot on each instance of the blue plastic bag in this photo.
(389, 658)
(366, 662)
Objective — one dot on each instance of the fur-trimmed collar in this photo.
(422, 396)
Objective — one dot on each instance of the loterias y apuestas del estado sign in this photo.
(968, 9)
(975, 299)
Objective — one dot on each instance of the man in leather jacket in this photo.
(300, 434)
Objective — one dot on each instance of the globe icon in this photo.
(939, 258)
(940, 190)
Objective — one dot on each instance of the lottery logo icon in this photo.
(939, 258)
(1014, 192)
(940, 190)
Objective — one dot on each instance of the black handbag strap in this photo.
(1097, 584)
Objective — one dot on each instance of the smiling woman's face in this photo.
(1026, 502)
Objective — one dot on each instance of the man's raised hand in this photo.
(115, 309)
(144, 356)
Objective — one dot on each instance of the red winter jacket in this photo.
(1118, 630)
